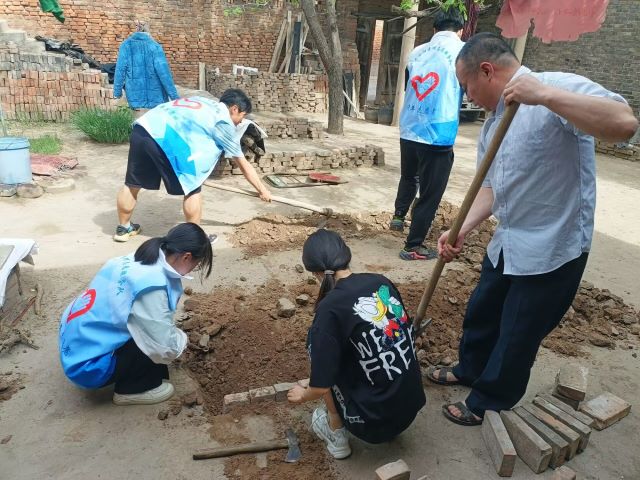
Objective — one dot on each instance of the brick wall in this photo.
(275, 92)
(609, 56)
(48, 86)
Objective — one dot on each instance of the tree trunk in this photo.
(408, 43)
(331, 57)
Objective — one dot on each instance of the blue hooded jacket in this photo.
(142, 70)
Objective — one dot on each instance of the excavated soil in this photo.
(10, 383)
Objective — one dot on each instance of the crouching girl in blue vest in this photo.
(363, 364)
(121, 329)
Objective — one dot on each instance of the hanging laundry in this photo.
(52, 6)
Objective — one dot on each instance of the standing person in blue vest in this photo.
(180, 143)
(428, 129)
(142, 71)
(121, 329)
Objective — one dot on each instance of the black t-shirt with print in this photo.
(360, 345)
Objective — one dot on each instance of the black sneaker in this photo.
(397, 223)
(123, 234)
(418, 253)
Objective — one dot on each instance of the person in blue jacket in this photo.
(428, 129)
(121, 330)
(142, 71)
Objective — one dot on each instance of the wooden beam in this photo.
(278, 48)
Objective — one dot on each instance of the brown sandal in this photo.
(441, 379)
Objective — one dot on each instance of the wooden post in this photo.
(278, 46)
(202, 76)
(408, 43)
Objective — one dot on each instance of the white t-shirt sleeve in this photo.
(152, 327)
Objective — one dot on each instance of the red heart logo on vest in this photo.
(88, 298)
(415, 81)
(186, 103)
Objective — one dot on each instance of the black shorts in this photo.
(148, 164)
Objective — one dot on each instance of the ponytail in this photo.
(325, 251)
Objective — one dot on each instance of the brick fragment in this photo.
(559, 446)
(530, 447)
(605, 409)
(262, 394)
(572, 403)
(501, 449)
(564, 473)
(573, 423)
(560, 428)
(571, 381)
(282, 389)
(397, 470)
(233, 400)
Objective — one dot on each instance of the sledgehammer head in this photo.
(293, 454)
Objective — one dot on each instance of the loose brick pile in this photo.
(47, 86)
(276, 92)
(292, 127)
(299, 161)
(629, 152)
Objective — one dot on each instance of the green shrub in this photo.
(47, 145)
(104, 126)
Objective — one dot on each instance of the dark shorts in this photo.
(148, 164)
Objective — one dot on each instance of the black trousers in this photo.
(432, 165)
(135, 372)
(507, 318)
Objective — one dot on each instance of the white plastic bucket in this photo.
(15, 161)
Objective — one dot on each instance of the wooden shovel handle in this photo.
(474, 188)
(247, 448)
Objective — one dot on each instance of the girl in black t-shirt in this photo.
(363, 362)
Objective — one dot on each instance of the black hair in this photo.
(485, 47)
(325, 251)
(235, 96)
(183, 238)
(451, 20)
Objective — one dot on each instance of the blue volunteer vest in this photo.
(184, 129)
(432, 98)
(94, 325)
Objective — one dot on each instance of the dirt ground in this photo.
(50, 429)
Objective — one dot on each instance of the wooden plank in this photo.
(573, 423)
(581, 417)
(560, 428)
(559, 446)
(496, 438)
(605, 409)
(530, 447)
(278, 47)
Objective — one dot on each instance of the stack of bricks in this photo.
(275, 92)
(47, 86)
(628, 152)
(292, 127)
(301, 162)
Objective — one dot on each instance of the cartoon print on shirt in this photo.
(385, 312)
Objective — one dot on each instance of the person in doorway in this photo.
(363, 363)
(428, 129)
(121, 329)
(181, 142)
(142, 71)
(542, 189)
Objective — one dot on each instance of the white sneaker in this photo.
(337, 440)
(155, 395)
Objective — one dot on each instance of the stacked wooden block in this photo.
(548, 432)
(275, 92)
(47, 86)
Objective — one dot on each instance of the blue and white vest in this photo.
(94, 325)
(183, 128)
(432, 99)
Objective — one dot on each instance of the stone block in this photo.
(563, 473)
(577, 426)
(574, 404)
(605, 409)
(581, 417)
(233, 400)
(501, 449)
(530, 447)
(398, 470)
(559, 446)
(302, 299)
(282, 389)
(262, 394)
(571, 381)
(560, 428)
(286, 308)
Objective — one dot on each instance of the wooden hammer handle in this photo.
(248, 448)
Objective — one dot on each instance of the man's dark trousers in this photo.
(432, 165)
(507, 318)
